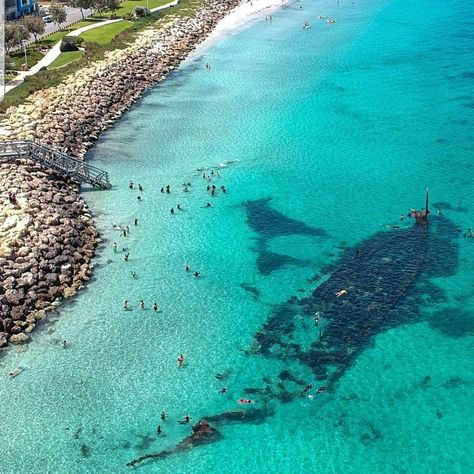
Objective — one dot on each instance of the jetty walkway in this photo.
(64, 164)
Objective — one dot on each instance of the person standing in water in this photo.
(181, 360)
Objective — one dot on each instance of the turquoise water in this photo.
(341, 127)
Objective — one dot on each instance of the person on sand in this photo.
(181, 360)
(155, 307)
(126, 307)
(142, 304)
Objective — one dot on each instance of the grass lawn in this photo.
(66, 58)
(18, 58)
(105, 34)
(52, 39)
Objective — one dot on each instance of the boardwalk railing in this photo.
(57, 161)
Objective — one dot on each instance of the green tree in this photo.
(58, 14)
(15, 34)
(34, 24)
(112, 5)
(82, 5)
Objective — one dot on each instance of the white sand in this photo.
(239, 16)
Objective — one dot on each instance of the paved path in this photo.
(54, 52)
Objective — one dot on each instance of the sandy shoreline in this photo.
(49, 242)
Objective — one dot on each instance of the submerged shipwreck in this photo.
(360, 299)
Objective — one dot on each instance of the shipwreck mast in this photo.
(421, 217)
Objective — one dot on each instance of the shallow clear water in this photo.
(341, 127)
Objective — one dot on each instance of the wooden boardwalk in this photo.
(57, 161)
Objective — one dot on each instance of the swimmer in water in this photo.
(136, 221)
(181, 360)
(134, 275)
(142, 304)
(340, 293)
(162, 190)
(159, 431)
(126, 257)
(155, 307)
(179, 206)
(168, 189)
(308, 387)
(187, 267)
(64, 344)
(139, 198)
(321, 389)
(197, 274)
(172, 211)
(163, 415)
(130, 185)
(208, 204)
(245, 401)
(140, 187)
(223, 390)
(185, 420)
(126, 307)
(114, 246)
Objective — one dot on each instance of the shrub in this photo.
(141, 11)
(70, 43)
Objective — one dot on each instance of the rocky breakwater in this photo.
(48, 241)
(47, 237)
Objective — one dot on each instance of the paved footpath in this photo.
(54, 52)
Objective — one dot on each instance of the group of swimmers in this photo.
(141, 305)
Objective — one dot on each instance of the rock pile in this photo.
(47, 239)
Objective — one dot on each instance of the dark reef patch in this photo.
(255, 292)
(268, 223)
(379, 275)
(453, 322)
(445, 206)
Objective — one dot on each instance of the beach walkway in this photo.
(57, 161)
